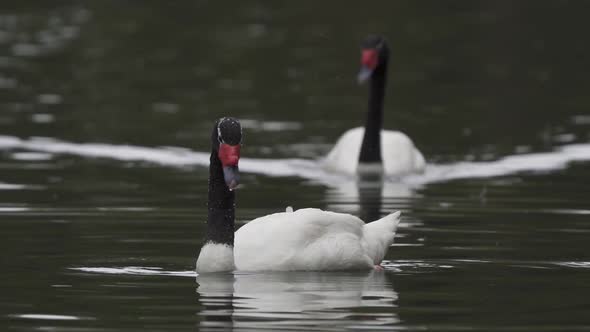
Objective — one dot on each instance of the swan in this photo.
(370, 149)
(305, 239)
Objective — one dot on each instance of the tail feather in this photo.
(379, 234)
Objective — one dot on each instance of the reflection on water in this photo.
(310, 300)
(369, 196)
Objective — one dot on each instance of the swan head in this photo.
(374, 54)
(227, 141)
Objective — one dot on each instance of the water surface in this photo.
(106, 110)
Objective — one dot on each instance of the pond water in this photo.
(105, 116)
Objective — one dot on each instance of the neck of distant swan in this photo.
(371, 146)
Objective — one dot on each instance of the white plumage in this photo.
(312, 239)
(215, 257)
(303, 240)
(398, 153)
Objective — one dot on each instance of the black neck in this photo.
(221, 205)
(371, 146)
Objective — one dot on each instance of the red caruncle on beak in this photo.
(229, 154)
(369, 58)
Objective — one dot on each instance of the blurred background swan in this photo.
(371, 149)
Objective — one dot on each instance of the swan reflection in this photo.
(325, 300)
(368, 197)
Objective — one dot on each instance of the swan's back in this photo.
(398, 153)
(308, 239)
(344, 156)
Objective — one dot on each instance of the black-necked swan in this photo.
(306, 239)
(371, 149)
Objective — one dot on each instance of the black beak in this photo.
(364, 74)
(231, 174)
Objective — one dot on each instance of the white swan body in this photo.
(303, 240)
(312, 240)
(399, 155)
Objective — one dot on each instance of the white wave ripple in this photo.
(136, 270)
(531, 162)
(305, 168)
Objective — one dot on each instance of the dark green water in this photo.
(104, 237)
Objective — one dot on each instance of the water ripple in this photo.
(305, 168)
(136, 270)
(48, 317)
